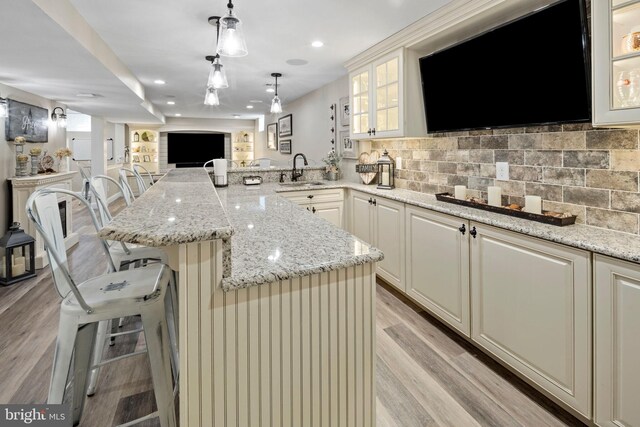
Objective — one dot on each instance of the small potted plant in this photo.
(333, 165)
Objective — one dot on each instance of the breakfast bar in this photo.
(276, 306)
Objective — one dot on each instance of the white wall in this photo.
(57, 139)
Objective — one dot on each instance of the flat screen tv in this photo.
(531, 71)
(194, 149)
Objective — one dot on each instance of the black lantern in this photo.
(386, 168)
(17, 256)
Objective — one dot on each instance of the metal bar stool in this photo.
(141, 291)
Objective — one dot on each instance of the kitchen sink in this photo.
(302, 184)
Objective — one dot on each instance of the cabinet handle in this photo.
(313, 210)
(473, 232)
(369, 132)
(374, 131)
(374, 202)
(307, 207)
(462, 229)
(310, 196)
(370, 200)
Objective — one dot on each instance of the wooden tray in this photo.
(561, 222)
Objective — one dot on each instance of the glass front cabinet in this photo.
(616, 62)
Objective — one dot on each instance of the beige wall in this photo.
(57, 139)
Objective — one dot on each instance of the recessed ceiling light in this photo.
(249, 107)
(270, 90)
(255, 101)
(171, 102)
(159, 82)
(297, 61)
(236, 115)
(317, 43)
(178, 114)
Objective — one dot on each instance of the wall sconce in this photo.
(4, 108)
(59, 118)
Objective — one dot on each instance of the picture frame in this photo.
(29, 121)
(348, 146)
(272, 136)
(345, 111)
(135, 158)
(285, 146)
(146, 158)
(285, 126)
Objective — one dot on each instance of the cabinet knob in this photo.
(462, 229)
(310, 196)
(370, 200)
(313, 210)
(307, 207)
(369, 131)
(373, 131)
(473, 232)
(374, 201)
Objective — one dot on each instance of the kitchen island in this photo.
(277, 307)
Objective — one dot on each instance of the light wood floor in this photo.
(426, 374)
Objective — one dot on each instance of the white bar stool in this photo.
(141, 291)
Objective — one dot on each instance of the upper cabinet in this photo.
(378, 102)
(616, 62)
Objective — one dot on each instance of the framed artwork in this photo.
(26, 120)
(285, 126)
(135, 158)
(345, 112)
(285, 146)
(146, 158)
(272, 136)
(348, 146)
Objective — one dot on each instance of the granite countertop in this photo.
(182, 207)
(625, 246)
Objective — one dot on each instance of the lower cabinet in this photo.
(617, 342)
(437, 265)
(327, 204)
(531, 308)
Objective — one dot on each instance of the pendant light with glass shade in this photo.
(231, 41)
(211, 96)
(276, 105)
(217, 75)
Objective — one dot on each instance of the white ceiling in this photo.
(168, 40)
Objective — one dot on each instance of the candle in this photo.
(495, 196)
(17, 269)
(460, 192)
(18, 260)
(3, 273)
(385, 178)
(533, 204)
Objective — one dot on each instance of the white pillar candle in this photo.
(3, 273)
(398, 162)
(385, 178)
(19, 260)
(495, 196)
(17, 269)
(533, 204)
(460, 192)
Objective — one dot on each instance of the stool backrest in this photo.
(99, 185)
(123, 173)
(42, 209)
(140, 170)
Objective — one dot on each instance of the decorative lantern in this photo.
(386, 169)
(17, 256)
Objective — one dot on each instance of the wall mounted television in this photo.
(535, 70)
(185, 149)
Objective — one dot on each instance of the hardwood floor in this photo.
(426, 374)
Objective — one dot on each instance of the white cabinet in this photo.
(531, 308)
(380, 222)
(616, 342)
(327, 204)
(386, 97)
(616, 62)
(437, 265)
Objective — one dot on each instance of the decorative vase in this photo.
(35, 163)
(62, 165)
(332, 175)
(21, 167)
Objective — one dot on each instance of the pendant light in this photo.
(276, 105)
(211, 96)
(231, 41)
(217, 75)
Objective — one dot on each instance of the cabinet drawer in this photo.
(314, 196)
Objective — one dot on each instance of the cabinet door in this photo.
(361, 216)
(331, 211)
(617, 322)
(387, 96)
(531, 307)
(438, 265)
(298, 197)
(359, 92)
(389, 234)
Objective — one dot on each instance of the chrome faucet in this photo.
(294, 174)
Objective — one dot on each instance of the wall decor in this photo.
(272, 136)
(285, 146)
(345, 112)
(136, 158)
(333, 120)
(348, 146)
(146, 158)
(285, 126)
(27, 120)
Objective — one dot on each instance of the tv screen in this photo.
(532, 71)
(194, 149)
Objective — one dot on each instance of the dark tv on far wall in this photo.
(192, 149)
(534, 70)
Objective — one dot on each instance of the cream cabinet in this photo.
(616, 62)
(327, 204)
(531, 308)
(380, 222)
(437, 265)
(616, 342)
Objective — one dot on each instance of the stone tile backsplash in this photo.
(592, 173)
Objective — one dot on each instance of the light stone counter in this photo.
(625, 246)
